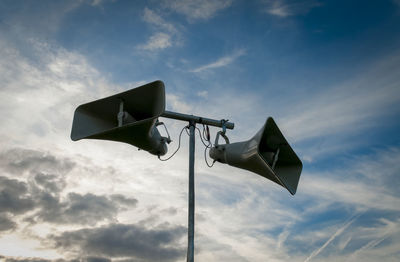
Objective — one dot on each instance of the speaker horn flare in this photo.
(128, 117)
(267, 154)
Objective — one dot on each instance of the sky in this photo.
(328, 72)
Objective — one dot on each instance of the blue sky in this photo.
(327, 71)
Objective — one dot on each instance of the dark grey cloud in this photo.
(6, 223)
(49, 182)
(10, 259)
(96, 259)
(123, 200)
(170, 211)
(42, 179)
(30, 259)
(18, 197)
(18, 161)
(87, 209)
(122, 240)
(14, 197)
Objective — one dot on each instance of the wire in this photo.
(204, 136)
(179, 145)
(205, 158)
(201, 138)
(206, 147)
(187, 132)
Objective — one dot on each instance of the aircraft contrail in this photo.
(337, 233)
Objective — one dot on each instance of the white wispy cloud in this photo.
(221, 62)
(203, 94)
(69, 80)
(178, 104)
(337, 233)
(349, 192)
(197, 9)
(157, 41)
(284, 8)
(32, 24)
(37, 100)
(348, 189)
(344, 109)
(387, 229)
(257, 203)
(157, 20)
(167, 34)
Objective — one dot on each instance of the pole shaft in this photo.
(198, 119)
(190, 251)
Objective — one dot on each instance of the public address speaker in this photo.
(267, 154)
(128, 117)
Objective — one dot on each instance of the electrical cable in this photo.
(201, 138)
(206, 147)
(204, 136)
(179, 145)
(187, 132)
(166, 130)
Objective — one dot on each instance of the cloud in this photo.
(49, 182)
(88, 209)
(99, 3)
(42, 191)
(358, 184)
(386, 229)
(31, 259)
(17, 197)
(6, 223)
(284, 8)
(155, 19)
(221, 62)
(336, 115)
(370, 235)
(167, 34)
(40, 91)
(19, 161)
(157, 41)
(294, 228)
(54, 186)
(197, 9)
(177, 104)
(123, 200)
(125, 240)
(14, 197)
(29, 20)
(258, 212)
(337, 233)
(203, 94)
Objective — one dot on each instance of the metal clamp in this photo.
(221, 133)
(120, 115)
(167, 139)
(223, 123)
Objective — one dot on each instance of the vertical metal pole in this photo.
(190, 250)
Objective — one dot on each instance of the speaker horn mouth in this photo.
(267, 154)
(127, 117)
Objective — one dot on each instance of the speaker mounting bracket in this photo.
(120, 115)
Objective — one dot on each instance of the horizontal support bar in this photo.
(197, 119)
